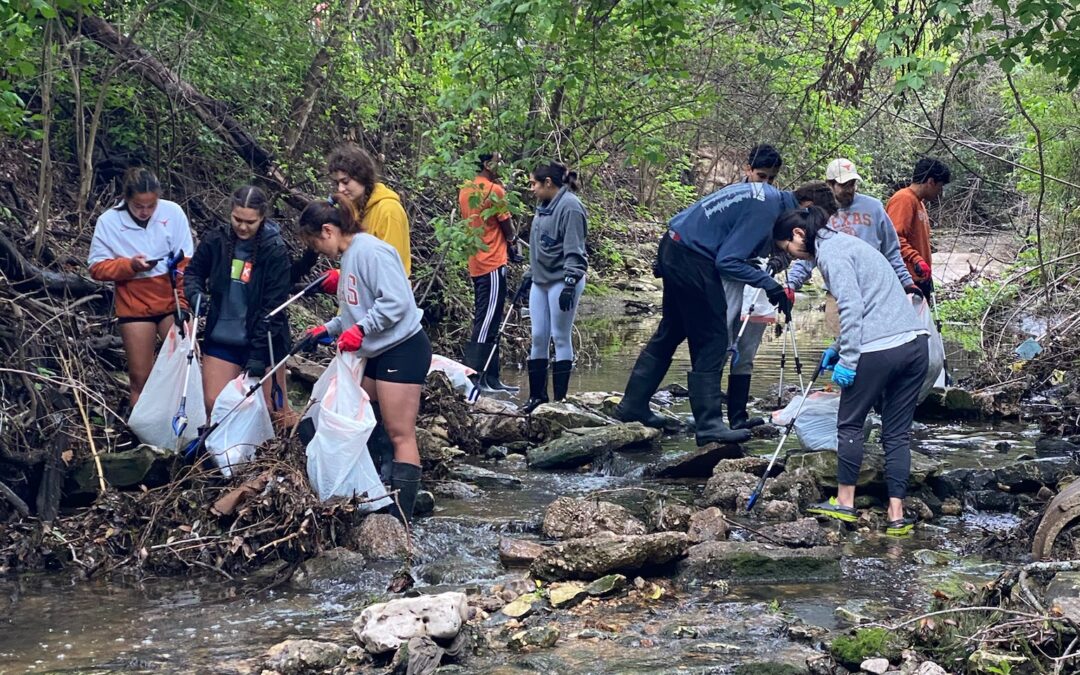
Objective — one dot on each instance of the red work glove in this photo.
(922, 270)
(312, 335)
(329, 284)
(351, 339)
(790, 293)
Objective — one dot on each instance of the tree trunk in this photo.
(25, 276)
(211, 112)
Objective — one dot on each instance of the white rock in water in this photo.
(877, 666)
(385, 626)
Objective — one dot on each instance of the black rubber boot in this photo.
(537, 384)
(708, 411)
(475, 357)
(738, 393)
(380, 447)
(644, 380)
(560, 378)
(405, 478)
(492, 374)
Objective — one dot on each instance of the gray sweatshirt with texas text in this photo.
(557, 239)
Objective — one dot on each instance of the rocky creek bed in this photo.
(567, 544)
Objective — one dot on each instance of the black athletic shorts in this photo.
(155, 319)
(405, 363)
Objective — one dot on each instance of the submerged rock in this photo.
(748, 562)
(604, 553)
(455, 489)
(518, 552)
(569, 518)
(564, 415)
(383, 627)
(581, 446)
(297, 657)
(1048, 446)
(333, 566)
(605, 586)
(695, 463)
(478, 475)
(539, 637)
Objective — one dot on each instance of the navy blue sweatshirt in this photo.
(733, 225)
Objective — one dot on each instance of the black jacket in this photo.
(208, 274)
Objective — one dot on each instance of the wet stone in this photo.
(729, 489)
(876, 666)
(539, 637)
(385, 626)
(296, 657)
(569, 518)
(604, 553)
(1030, 475)
(749, 464)
(382, 537)
(485, 478)
(670, 517)
(518, 552)
(333, 566)
(697, 463)
(803, 533)
(566, 595)
(1056, 447)
(605, 586)
(565, 415)
(751, 562)
(708, 525)
(778, 509)
(581, 446)
(522, 606)
(425, 503)
(455, 489)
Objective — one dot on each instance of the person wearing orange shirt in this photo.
(482, 201)
(907, 211)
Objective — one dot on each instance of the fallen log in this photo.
(26, 276)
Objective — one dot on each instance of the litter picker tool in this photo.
(194, 448)
(474, 395)
(180, 420)
(173, 262)
(783, 438)
(307, 289)
(277, 396)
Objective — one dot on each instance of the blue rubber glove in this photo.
(843, 376)
(829, 358)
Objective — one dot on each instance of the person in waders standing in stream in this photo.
(706, 244)
(880, 358)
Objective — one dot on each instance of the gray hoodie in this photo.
(374, 292)
(867, 220)
(872, 305)
(557, 239)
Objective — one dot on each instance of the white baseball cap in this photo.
(841, 170)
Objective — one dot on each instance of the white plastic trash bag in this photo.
(151, 419)
(764, 311)
(457, 373)
(935, 372)
(816, 424)
(235, 441)
(338, 462)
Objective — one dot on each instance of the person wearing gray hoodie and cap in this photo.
(557, 266)
(880, 356)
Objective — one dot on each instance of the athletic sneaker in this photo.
(833, 509)
(900, 528)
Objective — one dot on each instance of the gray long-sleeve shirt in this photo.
(374, 292)
(867, 220)
(557, 239)
(872, 305)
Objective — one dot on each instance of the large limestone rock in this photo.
(708, 525)
(382, 537)
(581, 446)
(797, 486)
(1030, 475)
(729, 489)
(748, 562)
(498, 422)
(383, 627)
(569, 518)
(696, 463)
(604, 553)
(803, 533)
(328, 568)
(565, 415)
(872, 473)
(298, 657)
(485, 478)
(518, 552)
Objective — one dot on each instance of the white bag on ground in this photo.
(235, 441)
(816, 425)
(338, 462)
(457, 373)
(935, 372)
(151, 419)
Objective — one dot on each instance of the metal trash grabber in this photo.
(307, 289)
(196, 446)
(783, 437)
(474, 395)
(173, 261)
(180, 419)
(277, 397)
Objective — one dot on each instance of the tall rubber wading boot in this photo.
(560, 378)
(738, 394)
(405, 478)
(537, 384)
(705, 402)
(644, 380)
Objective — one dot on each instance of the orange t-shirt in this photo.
(476, 197)
(909, 217)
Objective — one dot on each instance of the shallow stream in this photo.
(206, 624)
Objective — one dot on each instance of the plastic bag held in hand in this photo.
(151, 419)
(338, 462)
(235, 441)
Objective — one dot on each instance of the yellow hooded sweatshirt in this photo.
(384, 217)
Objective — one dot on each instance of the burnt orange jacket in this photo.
(912, 224)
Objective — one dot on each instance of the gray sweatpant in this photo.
(894, 377)
(548, 321)
(751, 338)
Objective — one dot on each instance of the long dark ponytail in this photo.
(558, 173)
(138, 180)
(812, 220)
(339, 212)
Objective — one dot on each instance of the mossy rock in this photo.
(864, 643)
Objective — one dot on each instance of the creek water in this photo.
(205, 624)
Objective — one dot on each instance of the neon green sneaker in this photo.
(900, 528)
(833, 509)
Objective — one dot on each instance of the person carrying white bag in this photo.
(379, 320)
(152, 417)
